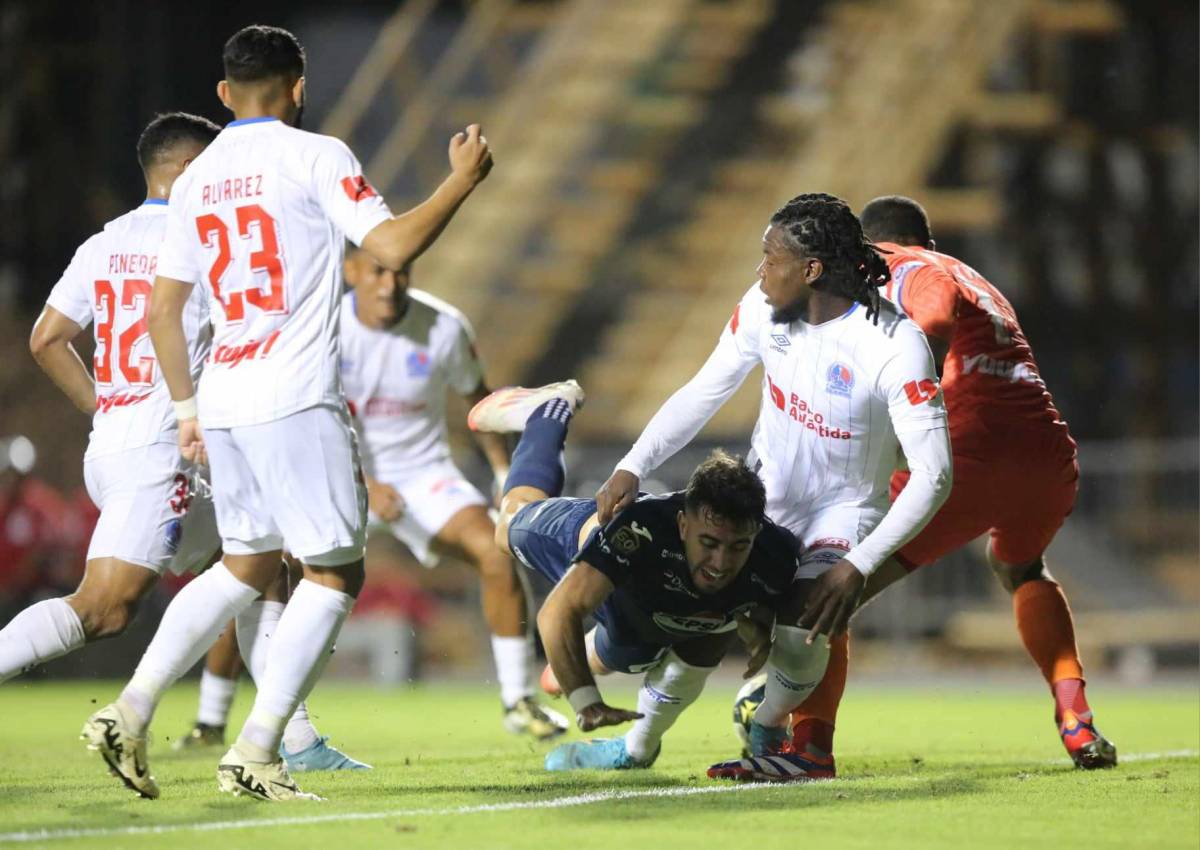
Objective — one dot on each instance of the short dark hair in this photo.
(169, 129)
(895, 218)
(727, 487)
(260, 52)
(824, 227)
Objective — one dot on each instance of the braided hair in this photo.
(824, 227)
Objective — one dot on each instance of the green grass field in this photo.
(942, 766)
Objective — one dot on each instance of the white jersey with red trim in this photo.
(837, 400)
(396, 381)
(261, 218)
(108, 282)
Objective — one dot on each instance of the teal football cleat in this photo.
(597, 754)
(320, 756)
(766, 740)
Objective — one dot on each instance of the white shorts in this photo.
(296, 479)
(826, 536)
(153, 513)
(432, 495)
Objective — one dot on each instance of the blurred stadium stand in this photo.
(641, 147)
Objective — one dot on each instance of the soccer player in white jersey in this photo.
(402, 351)
(848, 384)
(149, 521)
(261, 218)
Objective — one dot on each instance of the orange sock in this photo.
(1044, 621)
(813, 721)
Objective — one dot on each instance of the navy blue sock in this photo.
(537, 461)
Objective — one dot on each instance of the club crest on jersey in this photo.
(841, 380)
(419, 364)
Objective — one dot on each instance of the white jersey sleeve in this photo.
(909, 382)
(72, 295)
(680, 419)
(464, 371)
(918, 414)
(351, 203)
(929, 461)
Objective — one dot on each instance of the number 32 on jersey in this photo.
(214, 231)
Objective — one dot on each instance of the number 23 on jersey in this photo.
(214, 231)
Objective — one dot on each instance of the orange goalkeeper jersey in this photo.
(995, 397)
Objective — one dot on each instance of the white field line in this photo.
(516, 805)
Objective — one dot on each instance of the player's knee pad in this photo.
(794, 669)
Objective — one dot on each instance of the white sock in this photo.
(299, 734)
(42, 632)
(794, 669)
(216, 696)
(189, 627)
(255, 626)
(514, 657)
(666, 691)
(300, 649)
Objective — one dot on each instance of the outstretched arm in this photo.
(680, 419)
(397, 241)
(560, 622)
(50, 344)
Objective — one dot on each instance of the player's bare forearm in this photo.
(396, 243)
(165, 321)
(560, 622)
(399, 241)
(566, 650)
(50, 344)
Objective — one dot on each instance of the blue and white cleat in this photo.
(597, 754)
(320, 756)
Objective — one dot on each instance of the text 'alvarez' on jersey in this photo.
(261, 218)
(396, 381)
(642, 554)
(108, 282)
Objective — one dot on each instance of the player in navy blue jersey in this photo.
(666, 581)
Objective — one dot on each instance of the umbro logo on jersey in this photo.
(780, 343)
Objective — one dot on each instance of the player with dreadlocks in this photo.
(844, 390)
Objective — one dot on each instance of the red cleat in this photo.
(1085, 745)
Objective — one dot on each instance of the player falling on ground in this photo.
(848, 382)
(148, 521)
(402, 349)
(261, 218)
(665, 580)
(1015, 470)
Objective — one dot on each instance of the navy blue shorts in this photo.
(545, 537)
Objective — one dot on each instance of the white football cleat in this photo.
(237, 775)
(505, 411)
(108, 733)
